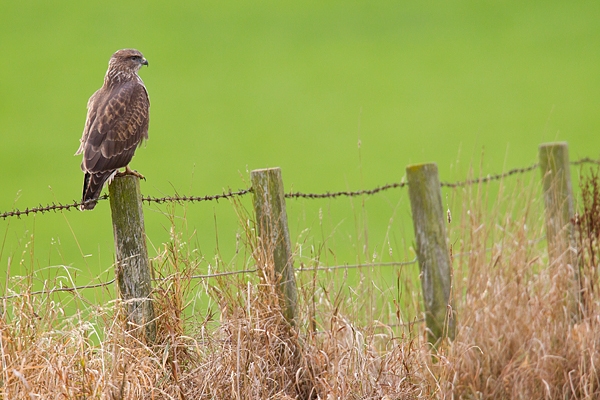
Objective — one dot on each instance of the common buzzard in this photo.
(116, 124)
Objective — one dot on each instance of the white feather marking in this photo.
(112, 176)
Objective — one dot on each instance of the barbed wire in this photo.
(54, 207)
(489, 178)
(333, 195)
(182, 199)
(585, 160)
(47, 208)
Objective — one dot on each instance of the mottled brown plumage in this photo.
(117, 122)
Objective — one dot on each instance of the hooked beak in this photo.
(145, 62)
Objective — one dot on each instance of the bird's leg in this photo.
(129, 171)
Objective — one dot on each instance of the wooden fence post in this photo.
(133, 268)
(273, 234)
(558, 197)
(558, 200)
(432, 249)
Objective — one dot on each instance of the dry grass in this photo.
(519, 335)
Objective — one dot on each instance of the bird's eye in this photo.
(136, 58)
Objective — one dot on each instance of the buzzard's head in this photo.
(127, 61)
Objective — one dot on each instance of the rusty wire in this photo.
(489, 178)
(47, 208)
(54, 207)
(182, 199)
(332, 195)
(585, 160)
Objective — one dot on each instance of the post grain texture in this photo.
(432, 249)
(133, 267)
(274, 236)
(558, 197)
(558, 202)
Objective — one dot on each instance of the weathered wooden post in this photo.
(432, 249)
(274, 236)
(558, 197)
(558, 200)
(133, 268)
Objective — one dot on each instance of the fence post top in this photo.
(255, 171)
(554, 144)
(416, 167)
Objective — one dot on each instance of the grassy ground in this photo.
(519, 334)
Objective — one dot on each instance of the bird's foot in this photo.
(129, 171)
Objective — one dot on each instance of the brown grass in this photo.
(519, 335)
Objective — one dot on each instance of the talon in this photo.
(129, 171)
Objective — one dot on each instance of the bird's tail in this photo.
(92, 187)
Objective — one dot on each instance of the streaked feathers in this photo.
(117, 122)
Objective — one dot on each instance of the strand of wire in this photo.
(75, 289)
(54, 207)
(353, 266)
(60, 289)
(182, 199)
(585, 160)
(332, 195)
(489, 178)
(47, 208)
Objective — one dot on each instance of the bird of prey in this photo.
(116, 124)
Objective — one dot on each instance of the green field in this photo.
(340, 95)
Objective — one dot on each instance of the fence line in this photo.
(274, 247)
(54, 207)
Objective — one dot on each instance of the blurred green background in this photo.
(339, 94)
